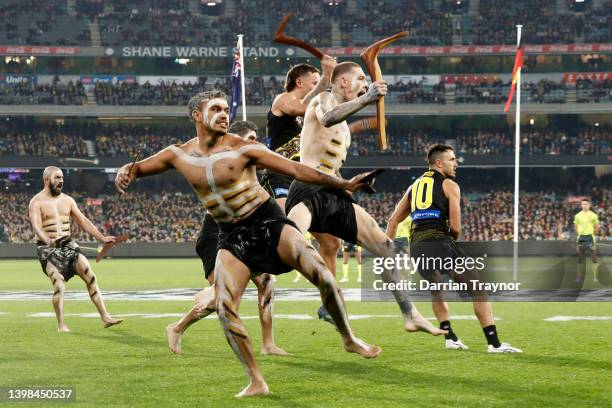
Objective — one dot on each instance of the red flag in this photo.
(518, 63)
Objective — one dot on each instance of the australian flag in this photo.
(236, 87)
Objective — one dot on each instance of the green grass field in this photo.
(565, 363)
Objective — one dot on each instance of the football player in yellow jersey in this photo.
(587, 228)
(347, 250)
(308, 237)
(402, 236)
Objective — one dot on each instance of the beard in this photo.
(55, 190)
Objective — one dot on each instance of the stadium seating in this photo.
(177, 216)
(356, 23)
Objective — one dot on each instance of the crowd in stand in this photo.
(590, 91)
(182, 22)
(261, 91)
(177, 217)
(543, 91)
(589, 140)
(57, 93)
(20, 138)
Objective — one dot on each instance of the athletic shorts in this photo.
(63, 256)
(586, 242)
(401, 243)
(254, 241)
(277, 185)
(351, 248)
(435, 248)
(206, 245)
(331, 209)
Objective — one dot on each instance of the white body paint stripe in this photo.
(217, 195)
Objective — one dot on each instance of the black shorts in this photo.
(331, 209)
(433, 248)
(277, 185)
(254, 241)
(351, 248)
(63, 256)
(401, 243)
(206, 245)
(586, 242)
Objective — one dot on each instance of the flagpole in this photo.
(242, 79)
(517, 158)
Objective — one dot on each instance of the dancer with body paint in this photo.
(51, 212)
(324, 143)
(255, 237)
(302, 83)
(206, 248)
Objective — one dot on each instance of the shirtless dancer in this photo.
(206, 248)
(50, 213)
(302, 83)
(324, 144)
(255, 237)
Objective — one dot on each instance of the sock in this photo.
(490, 333)
(345, 271)
(359, 271)
(446, 325)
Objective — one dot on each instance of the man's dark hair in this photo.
(342, 68)
(196, 101)
(586, 199)
(435, 151)
(242, 127)
(295, 72)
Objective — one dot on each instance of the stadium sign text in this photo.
(194, 52)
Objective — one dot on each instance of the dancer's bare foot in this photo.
(174, 338)
(63, 329)
(273, 351)
(111, 322)
(419, 323)
(362, 348)
(258, 388)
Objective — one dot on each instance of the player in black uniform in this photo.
(433, 202)
(207, 248)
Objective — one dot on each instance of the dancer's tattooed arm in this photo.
(288, 104)
(330, 115)
(267, 159)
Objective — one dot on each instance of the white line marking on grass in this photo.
(280, 294)
(571, 318)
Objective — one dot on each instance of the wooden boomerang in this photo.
(280, 37)
(107, 247)
(368, 178)
(134, 162)
(370, 58)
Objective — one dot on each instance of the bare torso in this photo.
(324, 148)
(224, 180)
(54, 214)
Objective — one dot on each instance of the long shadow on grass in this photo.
(376, 373)
(560, 362)
(122, 337)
